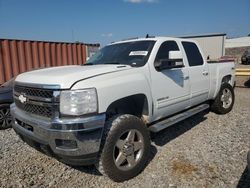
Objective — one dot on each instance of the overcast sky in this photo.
(104, 21)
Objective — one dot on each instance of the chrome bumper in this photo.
(70, 139)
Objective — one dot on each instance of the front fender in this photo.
(117, 85)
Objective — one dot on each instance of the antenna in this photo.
(148, 36)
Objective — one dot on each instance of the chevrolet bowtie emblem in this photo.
(22, 98)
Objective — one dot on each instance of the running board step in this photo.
(177, 118)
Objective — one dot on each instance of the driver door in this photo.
(170, 87)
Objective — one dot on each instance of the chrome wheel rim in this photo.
(128, 149)
(5, 118)
(226, 98)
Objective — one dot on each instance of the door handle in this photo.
(205, 73)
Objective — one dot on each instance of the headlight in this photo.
(78, 102)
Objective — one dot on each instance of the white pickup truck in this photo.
(102, 112)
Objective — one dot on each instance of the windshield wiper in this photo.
(107, 63)
(116, 63)
(112, 62)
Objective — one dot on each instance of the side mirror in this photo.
(175, 56)
(175, 60)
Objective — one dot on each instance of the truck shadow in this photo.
(247, 83)
(87, 169)
(178, 129)
(244, 181)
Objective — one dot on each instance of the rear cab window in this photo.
(193, 54)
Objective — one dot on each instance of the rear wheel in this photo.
(126, 148)
(224, 101)
(5, 117)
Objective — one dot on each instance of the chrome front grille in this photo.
(35, 109)
(36, 92)
(38, 101)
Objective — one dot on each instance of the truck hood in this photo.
(66, 76)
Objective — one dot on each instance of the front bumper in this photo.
(74, 141)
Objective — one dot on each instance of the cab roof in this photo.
(160, 39)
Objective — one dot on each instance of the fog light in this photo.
(66, 144)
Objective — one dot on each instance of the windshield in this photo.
(135, 54)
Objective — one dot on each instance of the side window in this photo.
(193, 54)
(165, 48)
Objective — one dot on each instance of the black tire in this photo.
(116, 128)
(5, 117)
(248, 161)
(218, 106)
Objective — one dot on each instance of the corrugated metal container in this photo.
(213, 45)
(17, 56)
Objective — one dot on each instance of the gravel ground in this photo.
(207, 150)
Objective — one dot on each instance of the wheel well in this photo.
(227, 79)
(5, 103)
(135, 105)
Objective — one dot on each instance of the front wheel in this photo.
(126, 148)
(224, 101)
(248, 161)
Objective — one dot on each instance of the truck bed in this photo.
(218, 70)
(224, 59)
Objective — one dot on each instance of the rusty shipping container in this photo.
(17, 56)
